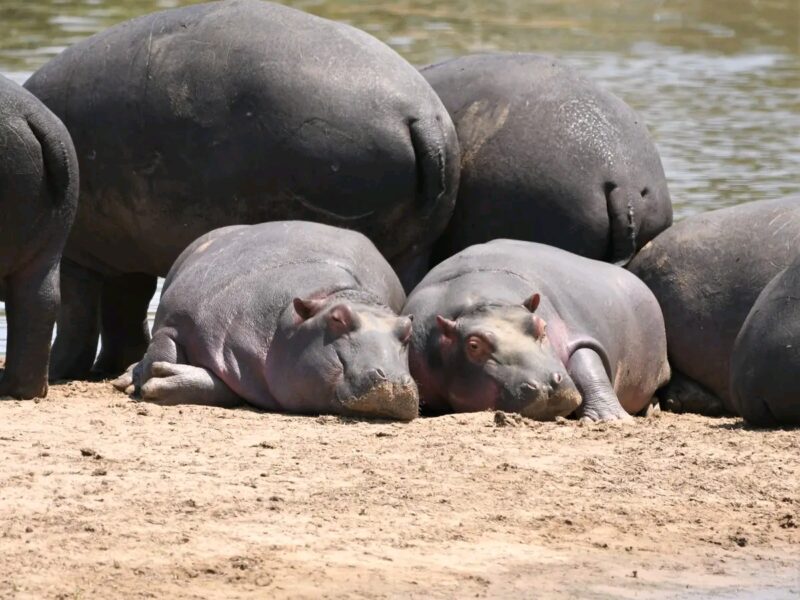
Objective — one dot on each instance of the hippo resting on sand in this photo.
(289, 316)
(38, 200)
(232, 113)
(707, 272)
(529, 328)
(765, 363)
(548, 156)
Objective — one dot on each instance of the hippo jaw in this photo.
(561, 403)
(385, 399)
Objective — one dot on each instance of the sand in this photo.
(105, 497)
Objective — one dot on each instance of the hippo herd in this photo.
(343, 233)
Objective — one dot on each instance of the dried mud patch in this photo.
(101, 496)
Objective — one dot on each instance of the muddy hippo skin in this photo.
(289, 316)
(547, 156)
(707, 272)
(529, 328)
(765, 362)
(38, 200)
(232, 113)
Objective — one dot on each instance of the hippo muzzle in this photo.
(379, 396)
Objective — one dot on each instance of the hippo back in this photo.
(707, 271)
(245, 112)
(547, 156)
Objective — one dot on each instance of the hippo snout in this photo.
(546, 400)
(383, 398)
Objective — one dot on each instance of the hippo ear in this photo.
(446, 326)
(404, 328)
(539, 327)
(306, 309)
(532, 303)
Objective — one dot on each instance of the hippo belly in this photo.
(548, 156)
(706, 272)
(229, 113)
(38, 200)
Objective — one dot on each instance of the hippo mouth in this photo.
(557, 405)
(384, 400)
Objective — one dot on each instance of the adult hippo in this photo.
(289, 316)
(707, 272)
(548, 156)
(765, 361)
(38, 200)
(529, 328)
(229, 113)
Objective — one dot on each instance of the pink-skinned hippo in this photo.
(528, 328)
(289, 316)
(707, 272)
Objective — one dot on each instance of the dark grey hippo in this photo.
(548, 156)
(707, 272)
(529, 328)
(289, 316)
(38, 200)
(228, 113)
(765, 362)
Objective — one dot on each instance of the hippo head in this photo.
(345, 357)
(500, 357)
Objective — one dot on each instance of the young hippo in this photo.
(38, 201)
(524, 327)
(289, 316)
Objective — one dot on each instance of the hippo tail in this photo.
(60, 161)
(437, 156)
(621, 203)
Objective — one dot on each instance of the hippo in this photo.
(707, 272)
(38, 201)
(528, 328)
(228, 113)
(765, 360)
(548, 156)
(289, 316)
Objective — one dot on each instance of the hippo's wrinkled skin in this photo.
(230, 113)
(548, 156)
(765, 362)
(38, 200)
(706, 272)
(529, 328)
(289, 316)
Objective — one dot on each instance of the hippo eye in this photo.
(478, 349)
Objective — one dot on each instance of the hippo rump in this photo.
(548, 156)
(529, 328)
(765, 361)
(38, 200)
(707, 271)
(289, 316)
(229, 113)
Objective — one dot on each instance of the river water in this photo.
(717, 82)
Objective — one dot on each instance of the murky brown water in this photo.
(718, 82)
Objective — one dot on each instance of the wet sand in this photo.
(101, 496)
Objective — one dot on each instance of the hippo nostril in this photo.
(556, 379)
(378, 373)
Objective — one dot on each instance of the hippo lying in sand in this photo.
(38, 200)
(707, 271)
(529, 328)
(289, 316)
(548, 156)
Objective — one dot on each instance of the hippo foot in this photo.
(172, 384)
(13, 391)
(684, 395)
(124, 383)
(602, 413)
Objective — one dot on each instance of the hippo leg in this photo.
(172, 383)
(125, 333)
(600, 403)
(31, 308)
(78, 326)
(683, 394)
